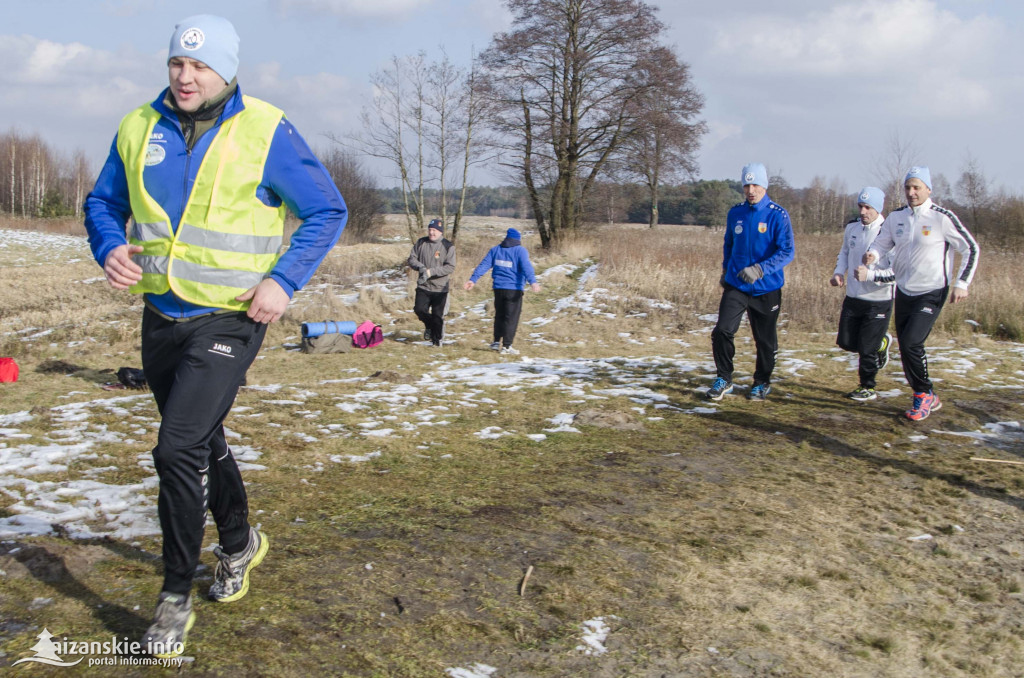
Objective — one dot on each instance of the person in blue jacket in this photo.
(511, 269)
(204, 176)
(758, 246)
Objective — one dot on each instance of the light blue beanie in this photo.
(755, 173)
(210, 39)
(872, 197)
(921, 173)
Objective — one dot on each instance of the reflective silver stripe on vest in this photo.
(206, 275)
(151, 264)
(229, 242)
(153, 231)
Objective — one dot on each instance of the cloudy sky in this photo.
(809, 87)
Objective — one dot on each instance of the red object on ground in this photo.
(8, 370)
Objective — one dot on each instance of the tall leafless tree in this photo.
(663, 144)
(567, 84)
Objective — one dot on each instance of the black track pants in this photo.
(430, 308)
(194, 369)
(915, 316)
(862, 324)
(763, 314)
(508, 304)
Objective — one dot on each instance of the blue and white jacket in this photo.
(292, 174)
(511, 266)
(757, 234)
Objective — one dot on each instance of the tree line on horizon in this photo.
(579, 107)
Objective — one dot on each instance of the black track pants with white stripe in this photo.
(914, 318)
(195, 369)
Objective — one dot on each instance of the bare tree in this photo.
(890, 168)
(386, 125)
(972, 189)
(565, 84)
(365, 206)
(664, 141)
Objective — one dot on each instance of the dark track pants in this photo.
(915, 316)
(508, 305)
(430, 308)
(763, 314)
(194, 369)
(862, 325)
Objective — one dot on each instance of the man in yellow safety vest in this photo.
(204, 176)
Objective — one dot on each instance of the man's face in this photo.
(867, 213)
(753, 193)
(434, 234)
(193, 83)
(917, 192)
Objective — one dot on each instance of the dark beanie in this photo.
(436, 223)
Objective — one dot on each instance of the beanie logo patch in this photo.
(864, 197)
(748, 177)
(192, 39)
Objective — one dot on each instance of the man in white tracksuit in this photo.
(922, 236)
(864, 320)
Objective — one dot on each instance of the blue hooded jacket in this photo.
(757, 234)
(511, 266)
(291, 174)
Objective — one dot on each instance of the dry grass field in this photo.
(577, 510)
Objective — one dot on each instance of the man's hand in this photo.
(862, 273)
(959, 294)
(535, 287)
(469, 285)
(837, 280)
(120, 270)
(269, 301)
(869, 258)
(751, 273)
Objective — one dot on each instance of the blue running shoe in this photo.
(719, 387)
(759, 392)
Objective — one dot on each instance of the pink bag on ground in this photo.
(367, 335)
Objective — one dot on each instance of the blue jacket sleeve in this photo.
(785, 249)
(303, 183)
(727, 242)
(107, 208)
(526, 266)
(485, 265)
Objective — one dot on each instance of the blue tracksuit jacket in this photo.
(511, 266)
(757, 234)
(292, 174)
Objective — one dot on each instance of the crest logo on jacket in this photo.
(192, 39)
(739, 228)
(155, 155)
(762, 227)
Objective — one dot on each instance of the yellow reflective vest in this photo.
(228, 240)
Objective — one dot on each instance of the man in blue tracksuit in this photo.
(758, 245)
(511, 269)
(204, 175)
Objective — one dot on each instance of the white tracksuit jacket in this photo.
(856, 238)
(921, 239)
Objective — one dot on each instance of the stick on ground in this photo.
(998, 461)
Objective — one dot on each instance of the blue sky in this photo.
(811, 88)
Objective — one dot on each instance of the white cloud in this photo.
(317, 103)
(863, 38)
(364, 9)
